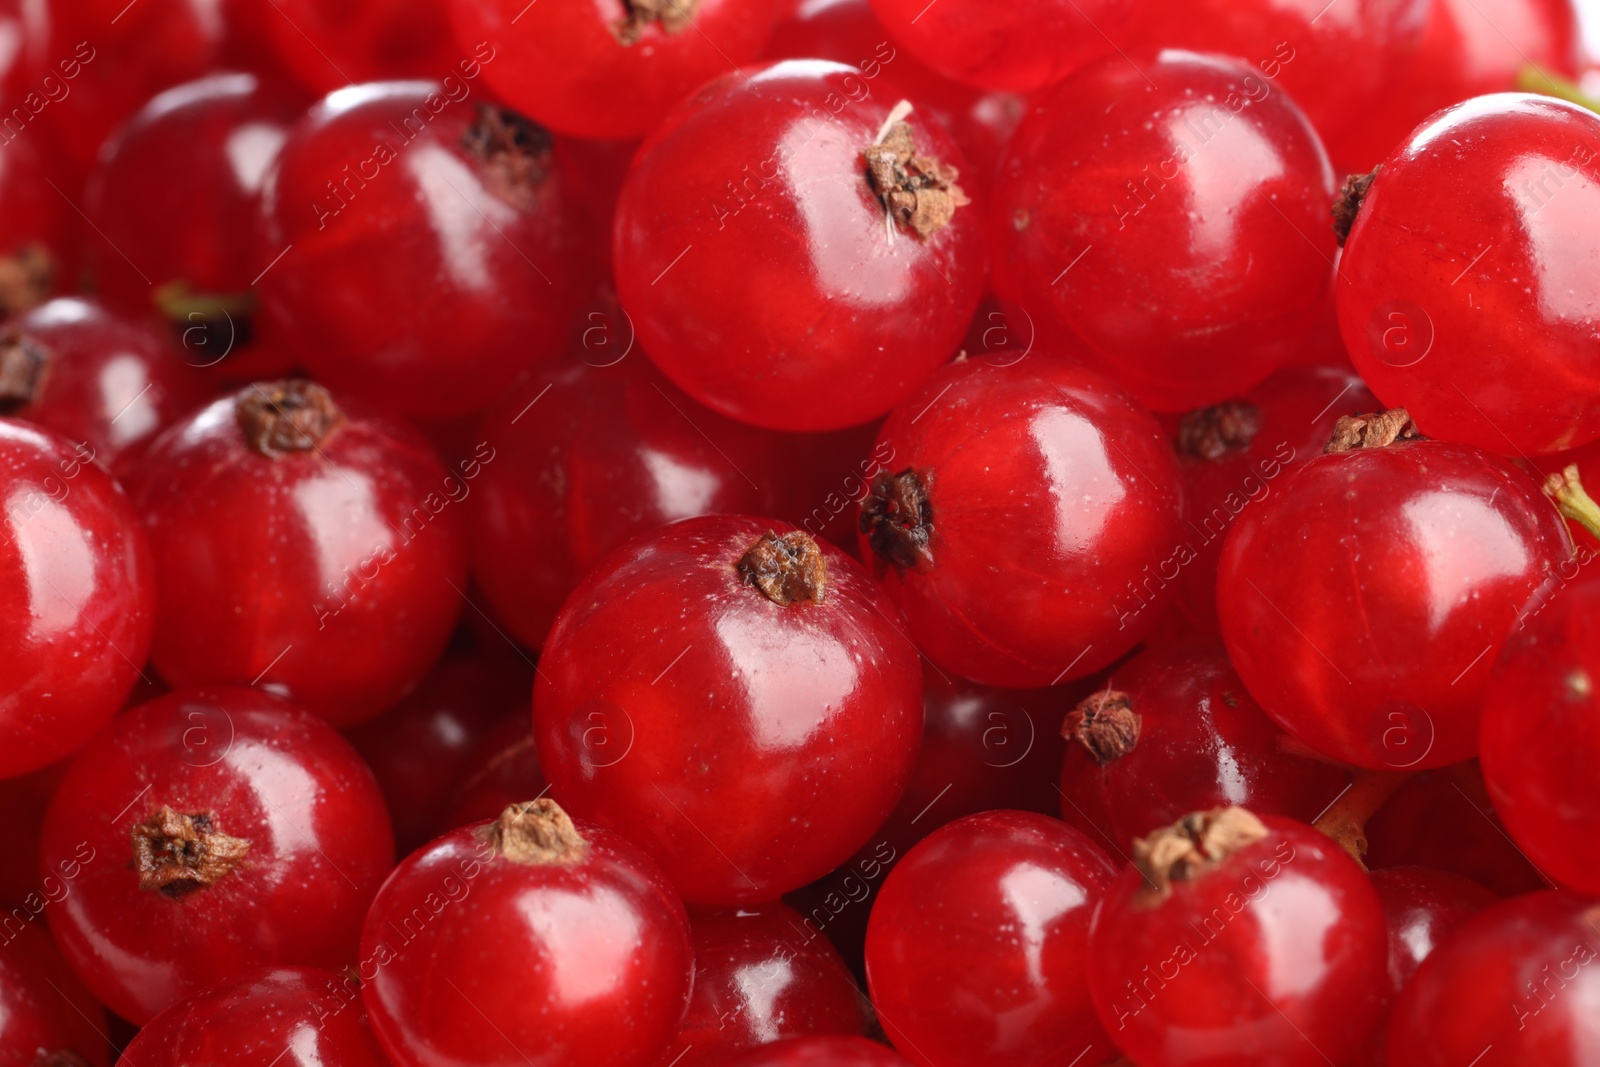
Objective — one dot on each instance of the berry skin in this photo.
(1175, 731)
(77, 597)
(1464, 291)
(460, 200)
(1516, 984)
(37, 239)
(757, 190)
(758, 979)
(328, 45)
(573, 948)
(506, 767)
(316, 549)
(1364, 602)
(1232, 454)
(1179, 225)
(611, 69)
(47, 1018)
(608, 452)
(1339, 63)
(709, 714)
(174, 203)
(309, 1017)
(258, 837)
(977, 946)
(1018, 47)
(1541, 737)
(821, 1052)
(1022, 525)
(93, 376)
(1238, 941)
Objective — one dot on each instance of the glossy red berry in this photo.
(484, 261)
(1464, 291)
(610, 69)
(587, 457)
(1174, 215)
(768, 188)
(1021, 526)
(977, 946)
(422, 748)
(1233, 453)
(1516, 984)
(759, 978)
(1365, 601)
(77, 597)
(37, 241)
(1338, 61)
(1238, 940)
(1175, 731)
(722, 684)
(304, 1015)
(1541, 737)
(94, 377)
(174, 202)
(47, 1018)
(1020, 47)
(505, 767)
(316, 549)
(328, 45)
(821, 1052)
(216, 831)
(526, 937)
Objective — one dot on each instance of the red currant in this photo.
(328, 44)
(1516, 984)
(258, 838)
(1365, 601)
(460, 199)
(94, 377)
(758, 979)
(1023, 521)
(977, 946)
(506, 766)
(1464, 291)
(1541, 737)
(843, 256)
(47, 1018)
(820, 1052)
(573, 948)
(77, 597)
(315, 549)
(613, 68)
(1233, 453)
(1235, 939)
(638, 727)
(304, 1015)
(1176, 731)
(24, 799)
(37, 243)
(421, 749)
(587, 457)
(1020, 47)
(1339, 61)
(1173, 215)
(174, 202)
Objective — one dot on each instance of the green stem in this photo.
(1538, 80)
(1566, 489)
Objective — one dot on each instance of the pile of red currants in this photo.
(1047, 533)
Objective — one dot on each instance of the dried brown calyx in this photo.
(674, 16)
(278, 418)
(176, 853)
(1191, 846)
(1348, 203)
(514, 149)
(1105, 724)
(898, 520)
(1377, 430)
(787, 569)
(918, 192)
(24, 362)
(1213, 432)
(27, 278)
(536, 832)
